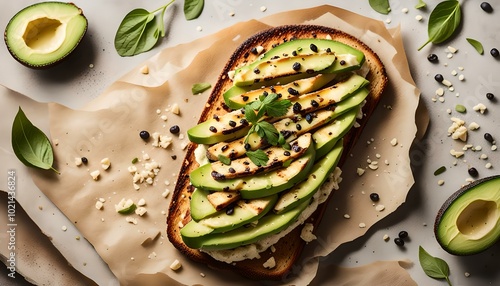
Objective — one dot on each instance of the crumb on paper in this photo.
(380, 208)
(481, 108)
(64, 228)
(95, 175)
(176, 265)
(144, 69)
(270, 263)
(362, 225)
(394, 141)
(99, 205)
(105, 163)
(441, 182)
(306, 233)
(386, 237)
(360, 171)
(78, 161)
(263, 8)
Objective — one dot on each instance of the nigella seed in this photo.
(490, 96)
(296, 148)
(174, 157)
(243, 122)
(256, 71)
(374, 197)
(313, 48)
(212, 129)
(144, 134)
(296, 107)
(224, 148)
(293, 91)
(254, 51)
(473, 172)
(85, 160)
(314, 103)
(286, 153)
(216, 117)
(328, 50)
(403, 234)
(489, 138)
(230, 210)
(175, 129)
(433, 58)
(298, 127)
(232, 123)
(494, 52)
(309, 118)
(247, 146)
(296, 66)
(245, 98)
(486, 7)
(232, 170)
(399, 242)
(342, 62)
(265, 93)
(294, 53)
(439, 77)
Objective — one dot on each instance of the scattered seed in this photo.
(494, 52)
(85, 160)
(439, 77)
(489, 138)
(486, 7)
(490, 96)
(374, 197)
(473, 172)
(460, 108)
(175, 129)
(144, 134)
(399, 242)
(440, 170)
(403, 234)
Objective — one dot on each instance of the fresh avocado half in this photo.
(469, 221)
(45, 33)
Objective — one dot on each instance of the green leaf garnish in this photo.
(193, 8)
(200, 87)
(381, 6)
(128, 210)
(477, 45)
(420, 5)
(30, 144)
(443, 21)
(440, 170)
(135, 160)
(268, 132)
(434, 267)
(258, 157)
(224, 160)
(460, 108)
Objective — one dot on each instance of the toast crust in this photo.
(287, 250)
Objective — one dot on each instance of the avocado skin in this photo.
(449, 203)
(56, 61)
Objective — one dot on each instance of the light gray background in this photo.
(95, 65)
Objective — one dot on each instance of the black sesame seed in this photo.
(175, 129)
(433, 58)
(216, 117)
(265, 93)
(293, 91)
(229, 210)
(309, 118)
(342, 62)
(439, 77)
(296, 66)
(256, 71)
(490, 96)
(247, 146)
(144, 134)
(403, 234)
(286, 153)
(297, 107)
(473, 172)
(232, 170)
(494, 52)
(489, 138)
(232, 123)
(243, 122)
(254, 51)
(245, 98)
(224, 148)
(212, 129)
(313, 48)
(298, 127)
(328, 50)
(85, 160)
(486, 7)
(296, 148)
(314, 103)
(174, 157)
(374, 197)
(294, 53)
(399, 242)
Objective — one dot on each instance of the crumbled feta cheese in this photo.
(99, 205)
(306, 233)
(460, 133)
(141, 202)
(144, 69)
(131, 220)
(493, 147)
(441, 182)
(64, 228)
(78, 161)
(347, 216)
(165, 193)
(386, 237)
(140, 211)
(440, 91)
(447, 82)
(105, 163)
(175, 109)
(394, 141)
(176, 265)
(263, 8)
(488, 166)
(461, 77)
(473, 126)
(362, 225)
(380, 208)
(480, 108)
(457, 154)
(419, 17)
(404, 10)
(199, 28)
(452, 49)
(270, 263)
(95, 175)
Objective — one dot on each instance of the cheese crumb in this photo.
(394, 141)
(473, 126)
(306, 233)
(380, 208)
(64, 228)
(441, 182)
(105, 163)
(131, 220)
(144, 70)
(362, 225)
(347, 216)
(140, 211)
(99, 205)
(175, 109)
(360, 171)
(386, 237)
(480, 108)
(263, 8)
(457, 154)
(78, 161)
(95, 175)
(270, 263)
(176, 265)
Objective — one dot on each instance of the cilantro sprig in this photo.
(255, 113)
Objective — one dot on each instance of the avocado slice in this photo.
(270, 224)
(45, 33)
(283, 66)
(326, 137)
(200, 207)
(227, 127)
(237, 96)
(469, 220)
(278, 156)
(260, 185)
(348, 58)
(304, 190)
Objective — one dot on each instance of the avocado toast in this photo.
(323, 77)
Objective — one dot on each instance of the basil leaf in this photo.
(30, 144)
(420, 5)
(476, 44)
(258, 157)
(133, 35)
(200, 87)
(224, 160)
(443, 21)
(381, 6)
(193, 8)
(434, 267)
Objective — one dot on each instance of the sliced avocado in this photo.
(284, 66)
(267, 225)
(227, 127)
(469, 221)
(327, 136)
(348, 58)
(304, 190)
(237, 96)
(278, 156)
(260, 185)
(45, 33)
(200, 206)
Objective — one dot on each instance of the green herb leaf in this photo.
(278, 108)
(193, 8)
(420, 5)
(224, 160)
(381, 6)
(460, 108)
(477, 45)
(434, 267)
(258, 157)
(128, 210)
(440, 170)
(250, 115)
(443, 22)
(135, 160)
(30, 144)
(139, 31)
(268, 132)
(200, 87)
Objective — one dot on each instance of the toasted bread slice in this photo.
(288, 249)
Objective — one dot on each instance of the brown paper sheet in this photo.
(108, 127)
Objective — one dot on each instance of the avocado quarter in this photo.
(43, 34)
(469, 220)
